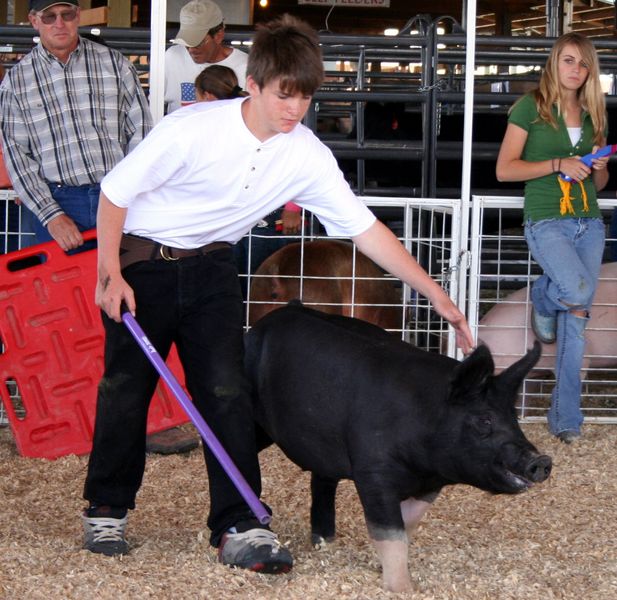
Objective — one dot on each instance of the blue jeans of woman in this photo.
(80, 203)
(570, 254)
(194, 302)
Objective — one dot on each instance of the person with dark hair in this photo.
(71, 109)
(168, 215)
(217, 83)
(197, 45)
(548, 129)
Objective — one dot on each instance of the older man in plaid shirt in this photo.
(71, 109)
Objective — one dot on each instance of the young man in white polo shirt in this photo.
(168, 215)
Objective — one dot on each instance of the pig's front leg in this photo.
(392, 544)
(386, 529)
(392, 549)
(413, 509)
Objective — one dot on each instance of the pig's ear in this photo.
(513, 376)
(471, 376)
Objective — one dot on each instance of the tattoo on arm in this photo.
(105, 282)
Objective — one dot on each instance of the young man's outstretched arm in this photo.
(382, 246)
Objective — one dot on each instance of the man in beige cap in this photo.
(198, 44)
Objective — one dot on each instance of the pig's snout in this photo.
(538, 468)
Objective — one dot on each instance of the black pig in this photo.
(344, 399)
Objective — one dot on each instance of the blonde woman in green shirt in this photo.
(548, 129)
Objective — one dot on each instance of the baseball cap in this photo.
(39, 5)
(196, 19)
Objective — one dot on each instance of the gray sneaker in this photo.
(544, 328)
(256, 550)
(568, 436)
(105, 535)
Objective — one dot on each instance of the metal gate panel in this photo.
(500, 276)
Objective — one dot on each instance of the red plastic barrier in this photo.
(52, 339)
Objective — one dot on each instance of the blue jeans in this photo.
(570, 254)
(196, 303)
(80, 203)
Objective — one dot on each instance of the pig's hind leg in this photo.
(323, 518)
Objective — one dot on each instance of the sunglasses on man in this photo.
(49, 18)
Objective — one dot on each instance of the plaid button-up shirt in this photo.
(69, 124)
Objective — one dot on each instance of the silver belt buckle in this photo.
(165, 256)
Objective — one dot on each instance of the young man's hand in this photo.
(113, 294)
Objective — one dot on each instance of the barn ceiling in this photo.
(595, 18)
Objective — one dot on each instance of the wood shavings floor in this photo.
(559, 540)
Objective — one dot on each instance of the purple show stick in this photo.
(206, 433)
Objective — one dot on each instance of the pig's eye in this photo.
(483, 424)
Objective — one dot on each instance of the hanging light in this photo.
(263, 3)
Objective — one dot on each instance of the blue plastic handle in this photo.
(588, 158)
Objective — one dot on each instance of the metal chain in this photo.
(440, 84)
(448, 272)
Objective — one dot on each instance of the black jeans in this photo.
(195, 302)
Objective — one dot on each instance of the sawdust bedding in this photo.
(556, 541)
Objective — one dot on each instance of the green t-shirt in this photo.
(542, 195)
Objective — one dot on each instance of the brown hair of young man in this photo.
(286, 49)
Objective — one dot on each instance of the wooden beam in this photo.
(21, 10)
(119, 13)
(94, 16)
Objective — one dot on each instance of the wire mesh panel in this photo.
(501, 273)
(15, 230)
(331, 275)
(14, 235)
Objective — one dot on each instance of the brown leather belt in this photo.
(137, 249)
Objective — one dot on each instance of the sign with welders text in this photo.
(360, 3)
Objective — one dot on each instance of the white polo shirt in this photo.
(201, 176)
